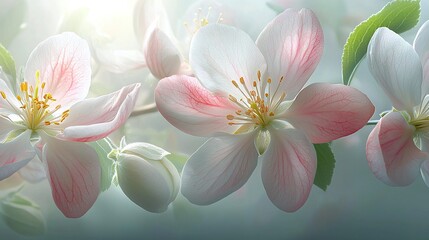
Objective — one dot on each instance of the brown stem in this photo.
(149, 108)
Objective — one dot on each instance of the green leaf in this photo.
(11, 21)
(7, 64)
(103, 148)
(23, 216)
(325, 165)
(178, 159)
(399, 16)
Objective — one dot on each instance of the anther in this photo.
(3, 95)
(242, 80)
(229, 117)
(24, 87)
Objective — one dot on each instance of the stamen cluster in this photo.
(258, 106)
(35, 105)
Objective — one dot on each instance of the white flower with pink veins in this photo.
(162, 51)
(248, 97)
(47, 114)
(398, 147)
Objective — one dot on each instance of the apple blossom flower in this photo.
(146, 176)
(46, 113)
(160, 50)
(248, 98)
(397, 148)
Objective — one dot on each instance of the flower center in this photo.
(258, 106)
(200, 21)
(35, 104)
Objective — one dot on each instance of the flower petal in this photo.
(424, 170)
(146, 12)
(396, 67)
(95, 118)
(145, 151)
(219, 167)
(190, 107)
(6, 126)
(64, 62)
(10, 104)
(34, 171)
(326, 112)
(392, 155)
(162, 57)
(220, 53)
(288, 169)
(15, 154)
(292, 45)
(74, 173)
(421, 46)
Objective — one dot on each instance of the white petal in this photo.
(95, 118)
(288, 170)
(64, 62)
(220, 54)
(10, 104)
(145, 14)
(74, 174)
(162, 56)
(292, 45)
(396, 67)
(421, 45)
(6, 126)
(391, 152)
(145, 150)
(191, 108)
(34, 171)
(218, 168)
(15, 154)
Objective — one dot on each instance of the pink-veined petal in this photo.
(396, 67)
(218, 168)
(392, 155)
(220, 54)
(288, 168)
(162, 57)
(190, 107)
(326, 112)
(95, 118)
(15, 154)
(120, 61)
(64, 62)
(421, 46)
(292, 45)
(74, 172)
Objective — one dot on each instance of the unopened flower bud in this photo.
(147, 178)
